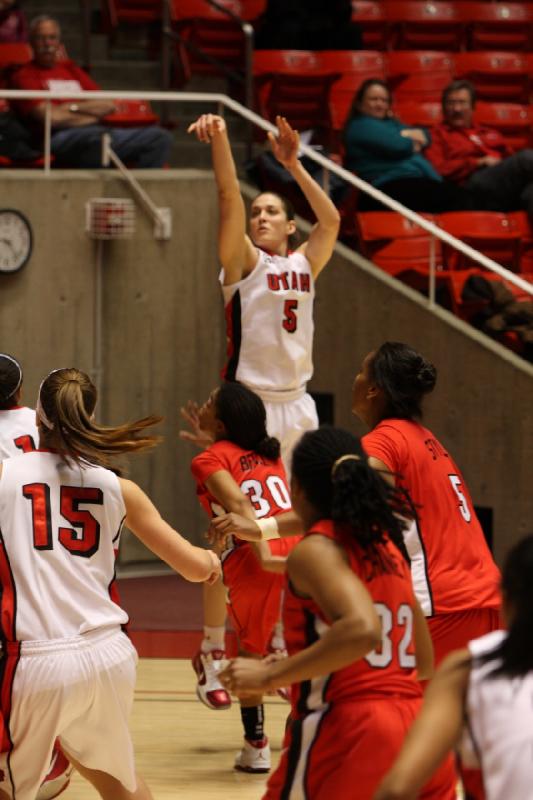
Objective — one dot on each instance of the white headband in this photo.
(347, 457)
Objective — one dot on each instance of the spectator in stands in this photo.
(478, 158)
(77, 127)
(13, 24)
(308, 25)
(388, 154)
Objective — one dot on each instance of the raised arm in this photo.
(354, 625)
(145, 521)
(289, 524)
(433, 734)
(237, 254)
(319, 247)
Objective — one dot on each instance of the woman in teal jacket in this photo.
(388, 154)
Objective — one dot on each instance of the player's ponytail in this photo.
(65, 407)
(514, 655)
(10, 381)
(333, 471)
(404, 376)
(243, 415)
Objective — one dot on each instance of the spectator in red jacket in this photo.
(77, 127)
(478, 158)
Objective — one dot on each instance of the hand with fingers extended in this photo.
(286, 145)
(246, 676)
(196, 435)
(234, 524)
(207, 126)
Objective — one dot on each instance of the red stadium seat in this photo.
(132, 12)
(252, 9)
(514, 121)
(494, 234)
(419, 75)
(497, 26)
(132, 114)
(421, 25)
(211, 31)
(394, 243)
(15, 53)
(294, 84)
(521, 221)
(354, 67)
(371, 18)
(419, 114)
(499, 76)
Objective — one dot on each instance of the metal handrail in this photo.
(227, 102)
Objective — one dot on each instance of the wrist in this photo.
(268, 527)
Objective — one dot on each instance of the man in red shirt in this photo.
(77, 127)
(478, 158)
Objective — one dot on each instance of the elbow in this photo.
(365, 636)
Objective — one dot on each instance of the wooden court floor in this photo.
(183, 749)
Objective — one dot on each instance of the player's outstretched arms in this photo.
(145, 521)
(288, 524)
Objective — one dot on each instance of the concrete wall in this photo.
(164, 339)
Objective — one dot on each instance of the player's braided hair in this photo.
(404, 376)
(67, 400)
(333, 472)
(244, 417)
(10, 380)
(514, 655)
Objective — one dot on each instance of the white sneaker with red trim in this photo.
(254, 756)
(58, 777)
(209, 689)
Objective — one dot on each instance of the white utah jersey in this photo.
(59, 530)
(18, 432)
(500, 725)
(269, 320)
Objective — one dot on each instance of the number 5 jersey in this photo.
(451, 565)
(269, 323)
(59, 530)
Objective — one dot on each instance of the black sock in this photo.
(252, 719)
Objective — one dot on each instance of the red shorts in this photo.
(254, 595)
(345, 751)
(453, 631)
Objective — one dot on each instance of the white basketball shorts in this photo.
(79, 690)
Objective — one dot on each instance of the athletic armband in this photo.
(268, 528)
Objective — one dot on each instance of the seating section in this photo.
(403, 250)
(497, 76)
(294, 84)
(440, 25)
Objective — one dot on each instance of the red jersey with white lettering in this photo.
(261, 479)
(253, 594)
(391, 670)
(59, 529)
(269, 322)
(18, 431)
(451, 564)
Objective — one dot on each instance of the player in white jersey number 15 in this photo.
(68, 670)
